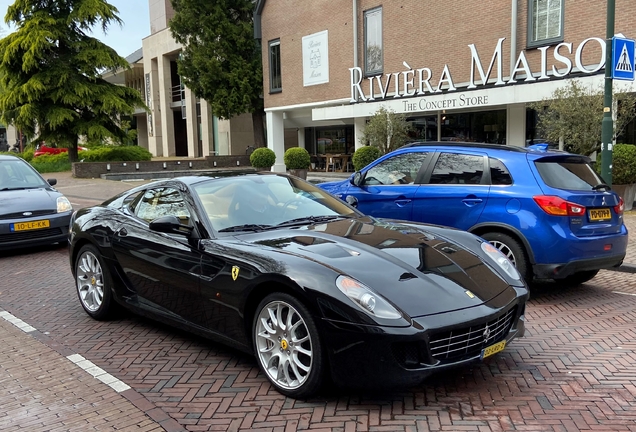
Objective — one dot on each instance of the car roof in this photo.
(484, 146)
(191, 180)
(9, 157)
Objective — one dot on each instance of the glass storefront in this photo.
(332, 139)
(481, 126)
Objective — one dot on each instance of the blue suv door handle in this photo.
(471, 201)
(402, 202)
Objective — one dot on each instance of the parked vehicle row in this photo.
(376, 289)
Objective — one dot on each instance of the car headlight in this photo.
(63, 205)
(501, 260)
(367, 300)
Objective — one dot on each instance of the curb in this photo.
(625, 268)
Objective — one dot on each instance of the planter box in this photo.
(628, 193)
(302, 173)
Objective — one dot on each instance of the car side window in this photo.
(499, 174)
(456, 168)
(163, 201)
(400, 169)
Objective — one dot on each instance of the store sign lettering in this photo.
(417, 82)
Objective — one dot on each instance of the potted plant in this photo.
(364, 156)
(298, 161)
(263, 158)
(624, 173)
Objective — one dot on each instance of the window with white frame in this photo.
(545, 22)
(275, 79)
(373, 52)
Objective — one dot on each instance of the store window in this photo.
(422, 128)
(481, 126)
(545, 22)
(275, 78)
(373, 53)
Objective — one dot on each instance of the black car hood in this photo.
(12, 201)
(422, 269)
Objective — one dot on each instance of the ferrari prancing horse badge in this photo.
(235, 272)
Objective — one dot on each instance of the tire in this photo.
(578, 278)
(513, 250)
(94, 284)
(300, 374)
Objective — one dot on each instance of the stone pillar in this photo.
(301, 137)
(207, 129)
(192, 129)
(358, 131)
(153, 118)
(276, 138)
(165, 112)
(516, 125)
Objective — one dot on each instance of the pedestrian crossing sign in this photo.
(623, 59)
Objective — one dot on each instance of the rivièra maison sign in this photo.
(417, 82)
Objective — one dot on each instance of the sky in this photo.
(125, 39)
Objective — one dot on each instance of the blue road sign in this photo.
(623, 59)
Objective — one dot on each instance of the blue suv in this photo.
(548, 211)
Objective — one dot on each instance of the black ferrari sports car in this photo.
(277, 267)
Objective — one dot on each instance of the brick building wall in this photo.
(423, 34)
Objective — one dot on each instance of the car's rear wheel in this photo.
(93, 283)
(287, 345)
(512, 249)
(578, 278)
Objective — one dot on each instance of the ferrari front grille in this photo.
(468, 342)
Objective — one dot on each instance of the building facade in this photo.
(177, 123)
(459, 70)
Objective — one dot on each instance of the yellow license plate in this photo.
(493, 349)
(33, 225)
(600, 214)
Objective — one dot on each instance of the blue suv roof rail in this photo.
(465, 144)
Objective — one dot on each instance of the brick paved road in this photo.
(575, 369)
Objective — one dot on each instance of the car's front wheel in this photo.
(287, 345)
(512, 249)
(93, 283)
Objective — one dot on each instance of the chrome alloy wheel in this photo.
(90, 281)
(284, 345)
(504, 249)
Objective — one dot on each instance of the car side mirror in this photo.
(356, 178)
(170, 225)
(52, 182)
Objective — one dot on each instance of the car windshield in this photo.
(264, 201)
(17, 174)
(569, 173)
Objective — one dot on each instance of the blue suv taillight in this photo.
(553, 205)
(620, 207)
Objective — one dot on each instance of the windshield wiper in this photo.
(602, 186)
(246, 227)
(311, 220)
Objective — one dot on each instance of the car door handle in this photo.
(402, 202)
(472, 201)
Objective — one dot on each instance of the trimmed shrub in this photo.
(263, 157)
(297, 158)
(115, 154)
(623, 164)
(364, 156)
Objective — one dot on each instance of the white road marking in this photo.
(88, 366)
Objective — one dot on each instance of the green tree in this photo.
(50, 72)
(574, 113)
(221, 60)
(386, 130)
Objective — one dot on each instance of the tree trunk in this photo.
(72, 151)
(259, 128)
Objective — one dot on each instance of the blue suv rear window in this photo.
(569, 174)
